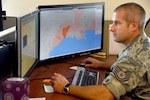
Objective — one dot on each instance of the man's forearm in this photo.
(98, 92)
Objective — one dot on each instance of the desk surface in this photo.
(44, 71)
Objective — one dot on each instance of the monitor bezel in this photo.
(18, 42)
(68, 6)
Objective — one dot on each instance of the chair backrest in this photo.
(147, 27)
(4, 61)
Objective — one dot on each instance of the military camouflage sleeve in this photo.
(130, 68)
(124, 77)
(114, 86)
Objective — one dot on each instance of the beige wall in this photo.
(20, 7)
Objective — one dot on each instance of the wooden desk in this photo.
(44, 71)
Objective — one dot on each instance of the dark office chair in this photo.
(4, 61)
(147, 27)
(147, 23)
(6, 58)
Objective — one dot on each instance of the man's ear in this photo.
(134, 25)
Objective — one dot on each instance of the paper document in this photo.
(42, 98)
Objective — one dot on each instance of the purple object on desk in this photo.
(15, 89)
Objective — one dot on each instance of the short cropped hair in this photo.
(133, 12)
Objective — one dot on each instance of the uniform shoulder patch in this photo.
(121, 75)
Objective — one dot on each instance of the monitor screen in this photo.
(27, 42)
(73, 29)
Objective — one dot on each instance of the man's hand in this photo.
(58, 82)
(94, 63)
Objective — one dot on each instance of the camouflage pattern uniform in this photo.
(129, 78)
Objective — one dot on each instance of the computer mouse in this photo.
(84, 63)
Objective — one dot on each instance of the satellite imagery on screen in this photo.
(74, 27)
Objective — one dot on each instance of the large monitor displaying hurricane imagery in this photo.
(70, 29)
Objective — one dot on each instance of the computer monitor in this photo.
(71, 29)
(27, 43)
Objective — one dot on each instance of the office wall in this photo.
(20, 7)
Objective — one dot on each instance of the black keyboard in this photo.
(84, 77)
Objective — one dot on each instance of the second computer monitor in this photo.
(27, 43)
(73, 29)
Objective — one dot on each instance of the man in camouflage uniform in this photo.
(129, 78)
